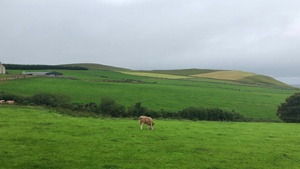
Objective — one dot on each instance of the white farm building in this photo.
(2, 69)
(43, 73)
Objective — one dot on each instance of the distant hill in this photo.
(247, 93)
(226, 75)
(183, 72)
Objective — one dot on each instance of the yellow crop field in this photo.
(226, 75)
(156, 75)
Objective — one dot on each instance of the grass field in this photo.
(156, 75)
(183, 72)
(250, 101)
(156, 93)
(42, 138)
(226, 75)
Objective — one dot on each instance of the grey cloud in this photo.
(251, 35)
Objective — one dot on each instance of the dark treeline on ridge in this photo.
(110, 108)
(41, 67)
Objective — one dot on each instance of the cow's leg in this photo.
(141, 124)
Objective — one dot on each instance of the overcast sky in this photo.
(259, 36)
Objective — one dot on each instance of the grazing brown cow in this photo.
(146, 120)
(2, 101)
(10, 102)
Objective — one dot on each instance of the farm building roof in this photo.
(1, 65)
(43, 73)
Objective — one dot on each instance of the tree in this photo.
(290, 110)
(137, 110)
(108, 106)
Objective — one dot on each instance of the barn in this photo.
(2, 69)
(52, 74)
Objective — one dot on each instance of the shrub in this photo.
(210, 114)
(53, 100)
(167, 114)
(77, 106)
(193, 113)
(7, 96)
(290, 110)
(108, 106)
(17, 98)
(137, 110)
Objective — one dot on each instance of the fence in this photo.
(18, 76)
(13, 77)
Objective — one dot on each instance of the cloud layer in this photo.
(257, 36)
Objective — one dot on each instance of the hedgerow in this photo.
(109, 107)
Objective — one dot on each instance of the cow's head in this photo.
(152, 127)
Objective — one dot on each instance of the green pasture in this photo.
(155, 75)
(183, 72)
(226, 75)
(263, 80)
(156, 94)
(42, 138)
(90, 74)
(219, 84)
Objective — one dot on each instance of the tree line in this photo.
(41, 67)
(109, 107)
(289, 111)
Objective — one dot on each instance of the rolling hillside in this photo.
(240, 77)
(172, 90)
(37, 137)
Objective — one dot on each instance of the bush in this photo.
(108, 106)
(194, 113)
(53, 100)
(7, 96)
(17, 98)
(290, 110)
(77, 106)
(137, 110)
(210, 114)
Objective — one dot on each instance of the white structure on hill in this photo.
(43, 73)
(2, 69)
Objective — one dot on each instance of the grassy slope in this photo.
(225, 75)
(41, 138)
(156, 75)
(238, 76)
(172, 95)
(183, 72)
(264, 81)
(168, 94)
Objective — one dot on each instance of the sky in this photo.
(258, 36)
